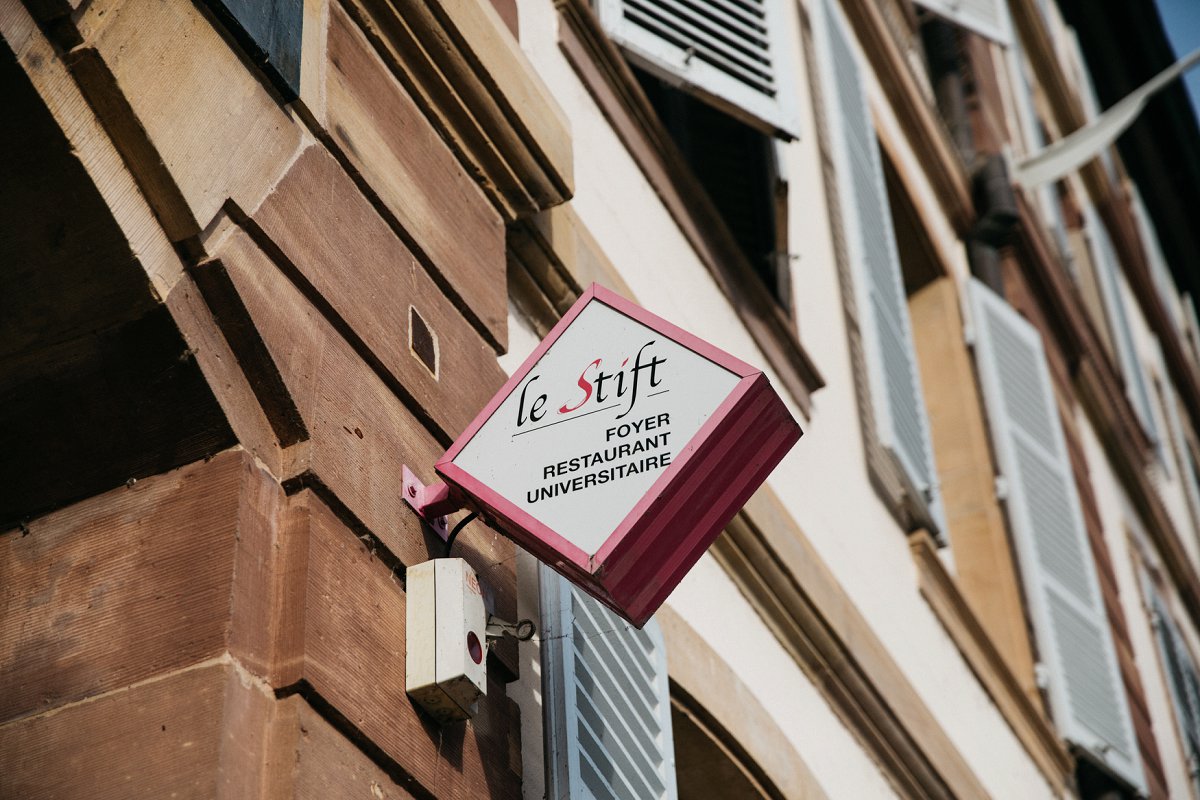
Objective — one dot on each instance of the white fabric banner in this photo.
(1075, 150)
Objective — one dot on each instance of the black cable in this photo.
(462, 523)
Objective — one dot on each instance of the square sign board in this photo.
(620, 449)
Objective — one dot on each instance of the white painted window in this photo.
(1108, 275)
(1183, 681)
(1062, 590)
(988, 18)
(608, 708)
(1185, 462)
(898, 406)
(730, 51)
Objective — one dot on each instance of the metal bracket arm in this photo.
(432, 503)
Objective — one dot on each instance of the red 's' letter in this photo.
(584, 384)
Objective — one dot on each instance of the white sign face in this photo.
(603, 413)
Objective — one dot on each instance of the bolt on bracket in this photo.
(431, 502)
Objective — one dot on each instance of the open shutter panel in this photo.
(613, 708)
(725, 49)
(988, 18)
(899, 408)
(1061, 588)
(1114, 303)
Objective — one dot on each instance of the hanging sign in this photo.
(620, 449)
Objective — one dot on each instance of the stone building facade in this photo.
(256, 259)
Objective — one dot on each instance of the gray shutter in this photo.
(895, 387)
(1105, 259)
(1061, 588)
(1182, 679)
(988, 18)
(607, 700)
(729, 50)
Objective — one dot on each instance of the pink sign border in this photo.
(679, 479)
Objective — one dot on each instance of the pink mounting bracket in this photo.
(432, 503)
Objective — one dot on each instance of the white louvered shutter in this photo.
(729, 50)
(1059, 575)
(988, 18)
(608, 699)
(1105, 258)
(895, 388)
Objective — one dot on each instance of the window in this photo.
(1062, 590)
(717, 76)
(1104, 259)
(897, 405)
(1182, 680)
(1185, 460)
(988, 18)
(738, 166)
(607, 700)
(1036, 137)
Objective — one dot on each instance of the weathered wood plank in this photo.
(391, 143)
(126, 585)
(217, 129)
(160, 739)
(361, 433)
(354, 643)
(350, 258)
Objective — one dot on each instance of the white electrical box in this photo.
(445, 670)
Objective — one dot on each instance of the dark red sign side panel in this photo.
(687, 517)
(688, 505)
